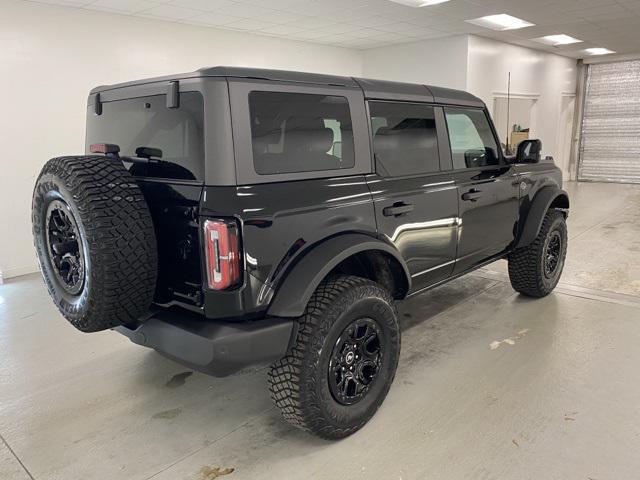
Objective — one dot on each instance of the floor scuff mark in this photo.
(168, 414)
(509, 341)
(211, 473)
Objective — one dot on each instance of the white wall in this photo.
(441, 61)
(533, 73)
(50, 57)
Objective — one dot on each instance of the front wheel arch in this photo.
(550, 197)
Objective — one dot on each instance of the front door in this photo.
(487, 188)
(415, 201)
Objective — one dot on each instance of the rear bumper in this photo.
(212, 347)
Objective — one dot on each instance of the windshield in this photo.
(147, 122)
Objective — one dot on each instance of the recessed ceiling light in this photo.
(556, 40)
(599, 51)
(419, 3)
(501, 22)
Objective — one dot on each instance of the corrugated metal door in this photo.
(610, 146)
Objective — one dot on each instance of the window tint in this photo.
(404, 139)
(147, 122)
(295, 132)
(472, 141)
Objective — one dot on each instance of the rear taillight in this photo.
(222, 253)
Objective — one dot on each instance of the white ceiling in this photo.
(362, 24)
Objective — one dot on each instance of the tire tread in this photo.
(119, 232)
(289, 384)
(525, 269)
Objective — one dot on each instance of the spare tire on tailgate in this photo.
(95, 241)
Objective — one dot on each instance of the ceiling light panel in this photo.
(599, 51)
(419, 3)
(500, 22)
(556, 40)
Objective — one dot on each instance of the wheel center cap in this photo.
(349, 357)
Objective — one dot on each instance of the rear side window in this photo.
(405, 141)
(297, 132)
(472, 141)
(147, 122)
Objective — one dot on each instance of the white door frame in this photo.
(534, 97)
(561, 135)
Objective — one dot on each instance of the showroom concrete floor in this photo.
(490, 385)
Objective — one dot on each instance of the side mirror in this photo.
(474, 158)
(480, 157)
(529, 151)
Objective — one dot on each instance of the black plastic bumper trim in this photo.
(212, 347)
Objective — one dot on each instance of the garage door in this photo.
(610, 147)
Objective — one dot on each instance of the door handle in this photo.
(472, 195)
(397, 209)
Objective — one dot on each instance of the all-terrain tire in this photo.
(527, 271)
(299, 382)
(107, 227)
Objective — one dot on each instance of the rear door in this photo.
(487, 188)
(138, 117)
(302, 153)
(414, 194)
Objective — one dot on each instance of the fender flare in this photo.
(542, 201)
(292, 296)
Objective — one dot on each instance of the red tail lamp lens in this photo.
(222, 254)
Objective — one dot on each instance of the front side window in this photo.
(405, 141)
(298, 132)
(472, 142)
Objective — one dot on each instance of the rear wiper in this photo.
(143, 154)
(148, 152)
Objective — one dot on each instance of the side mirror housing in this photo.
(480, 157)
(529, 151)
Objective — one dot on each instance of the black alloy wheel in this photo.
(552, 254)
(65, 247)
(355, 361)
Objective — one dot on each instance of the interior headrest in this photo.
(384, 139)
(261, 142)
(322, 140)
(308, 140)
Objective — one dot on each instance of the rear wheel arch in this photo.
(379, 266)
(354, 254)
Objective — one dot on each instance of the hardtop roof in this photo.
(373, 89)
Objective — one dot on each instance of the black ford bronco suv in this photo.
(233, 217)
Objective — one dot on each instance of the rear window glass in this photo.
(295, 132)
(147, 122)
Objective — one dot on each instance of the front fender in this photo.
(299, 284)
(546, 198)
